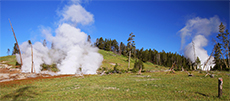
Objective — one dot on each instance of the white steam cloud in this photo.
(199, 29)
(71, 52)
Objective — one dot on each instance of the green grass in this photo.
(149, 86)
(10, 60)
(126, 86)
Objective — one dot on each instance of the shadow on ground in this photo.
(201, 94)
(24, 92)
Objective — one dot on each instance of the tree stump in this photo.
(220, 87)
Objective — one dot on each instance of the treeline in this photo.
(147, 55)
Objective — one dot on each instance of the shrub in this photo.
(137, 66)
(52, 67)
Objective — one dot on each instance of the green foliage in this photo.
(137, 66)
(222, 46)
(15, 49)
(52, 67)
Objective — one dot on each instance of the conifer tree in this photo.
(224, 38)
(15, 50)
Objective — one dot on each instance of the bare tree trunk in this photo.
(129, 59)
(16, 43)
(32, 67)
(140, 70)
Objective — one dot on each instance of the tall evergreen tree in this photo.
(114, 46)
(217, 57)
(224, 38)
(101, 43)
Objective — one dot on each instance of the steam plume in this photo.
(199, 29)
(71, 52)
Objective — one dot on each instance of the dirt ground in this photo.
(9, 76)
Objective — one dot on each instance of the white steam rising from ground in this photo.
(199, 29)
(71, 51)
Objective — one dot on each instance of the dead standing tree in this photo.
(32, 66)
(16, 43)
(194, 51)
(209, 57)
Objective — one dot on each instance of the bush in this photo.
(52, 67)
(137, 66)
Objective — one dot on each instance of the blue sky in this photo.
(155, 23)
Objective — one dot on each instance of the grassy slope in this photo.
(10, 60)
(122, 61)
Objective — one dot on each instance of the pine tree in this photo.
(217, 57)
(224, 39)
(101, 43)
(15, 50)
(96, 44)
(114, 46)
(89, 39)
(44, 43)
(8, 51)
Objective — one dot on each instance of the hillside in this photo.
(110, 59)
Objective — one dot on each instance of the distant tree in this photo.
(164, 58)
(108, 44)
(15, 50)
(52, 45)
(32, 66)
(158, 58)
(8, 51)
(197, 62)
(123, 49)
(114, 46)
(44, 43)
(130, 45)
(101, 43)
(120, 49)
(96, 44)
(145, 56)
(89, 39)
